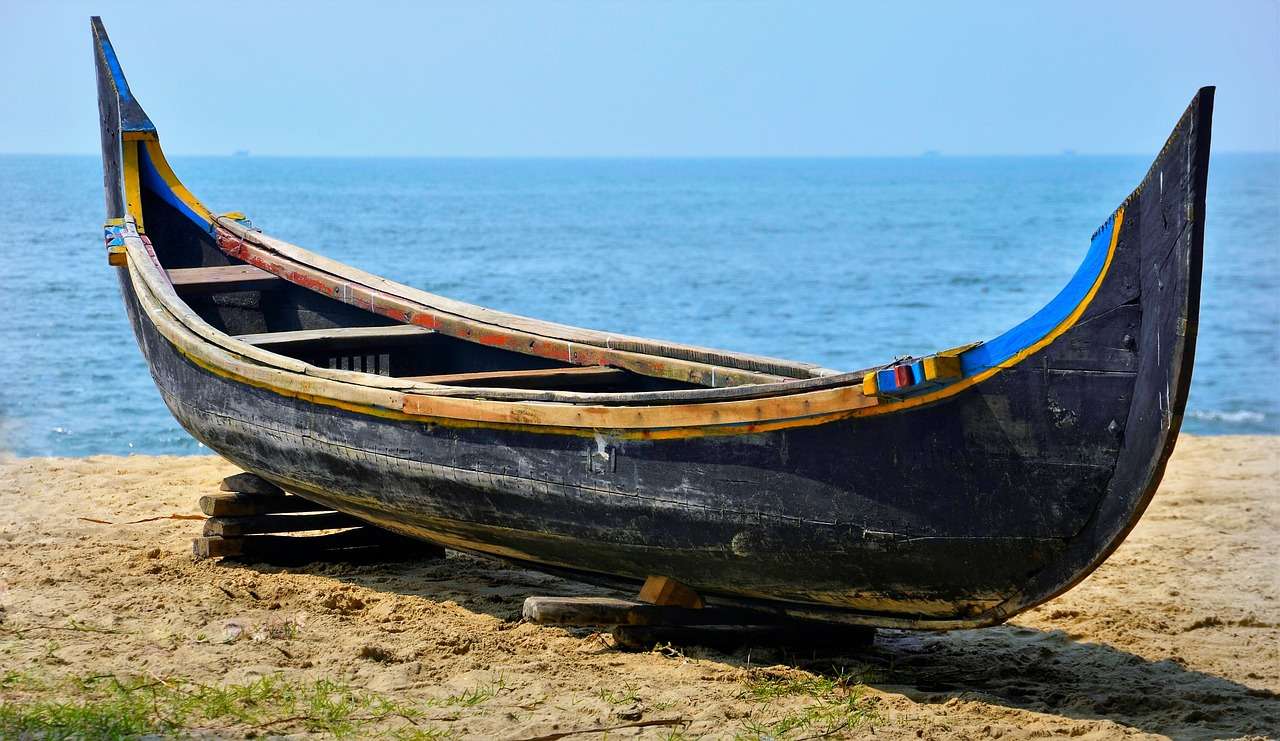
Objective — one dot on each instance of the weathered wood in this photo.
(730, 637)
(550, 378)
(237, 504)
(333, 335)
(663, 590)
(250, 483)
(606, 611)
(363, 541)
(232, 527)
(223, 279)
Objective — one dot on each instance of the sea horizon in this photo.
(929, 154)
(842, 261)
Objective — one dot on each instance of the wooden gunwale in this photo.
(366, 390)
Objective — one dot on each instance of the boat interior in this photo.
(262, 309)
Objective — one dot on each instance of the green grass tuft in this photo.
(111, 707)
(835, 704)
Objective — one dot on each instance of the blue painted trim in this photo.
(886, 381)
(132, 117)
(152, 180)
(1031, 331)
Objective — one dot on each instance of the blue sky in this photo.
(648, 79)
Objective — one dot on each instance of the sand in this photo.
(1177, 635)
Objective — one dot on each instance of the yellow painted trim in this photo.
(132, 184)
(941, 367)
(171, 179)
(117, 257)
(139, 136)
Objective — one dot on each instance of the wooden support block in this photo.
(607, 611)
(365, 542)
(235, 504)
(215, 547)
(942, 367)
(917, 373)
(886, 380)
(663, 590)
(249, 483)
(234, 527)
(730, 637)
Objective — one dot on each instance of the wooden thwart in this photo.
(548, 378)
(333, 336)
(223, 279)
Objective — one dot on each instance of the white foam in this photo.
(1241, 417)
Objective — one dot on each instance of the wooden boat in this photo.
(948, 491)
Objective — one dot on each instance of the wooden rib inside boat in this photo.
(952, 490)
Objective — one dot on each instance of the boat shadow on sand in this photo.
(1043, 671)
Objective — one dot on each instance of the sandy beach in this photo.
(1177, 635)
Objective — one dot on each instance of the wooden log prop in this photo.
(641, 625)
(363, 542)
(249, 483)
(731, 637)
(235, 527)
(663, 590)
(607, 611)
(236, 504)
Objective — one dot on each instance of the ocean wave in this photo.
(1240, 418)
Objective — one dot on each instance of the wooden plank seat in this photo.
(333, 336)
(546, 378)
(223, 279)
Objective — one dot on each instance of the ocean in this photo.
(842, 262)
